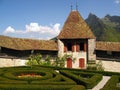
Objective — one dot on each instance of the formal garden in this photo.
(45, 75)
(54, 78)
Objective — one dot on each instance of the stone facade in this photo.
(60, 48)
(91, 49)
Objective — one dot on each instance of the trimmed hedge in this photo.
(13, 75)
(112, 83)
(78, 87)
(88, 83)
(67, 79)
(50, 77)
(36, 87)
(58, 80)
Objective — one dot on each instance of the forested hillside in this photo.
(105, 29)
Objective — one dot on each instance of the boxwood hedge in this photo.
(112, 83)
(88, 83)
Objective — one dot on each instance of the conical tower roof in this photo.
(75, 28)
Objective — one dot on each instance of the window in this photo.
(81, 46)
(69, 46)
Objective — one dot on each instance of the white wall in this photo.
(11, 62)
(77, 56)
(110, 65)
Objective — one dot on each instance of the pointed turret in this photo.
(75, 28)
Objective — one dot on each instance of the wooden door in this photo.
(81, 62)
(69, 63)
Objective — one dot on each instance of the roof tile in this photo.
(75, 27)
(27, 44)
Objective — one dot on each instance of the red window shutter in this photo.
(77, 48)
(65, 48)
(73, 48)
(85, 47)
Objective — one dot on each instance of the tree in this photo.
(31, 59)
(100, 66)
(38, 58)
(47, 61)
(34, 60)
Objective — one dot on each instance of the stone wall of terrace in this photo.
(110, 65)
(7, 62)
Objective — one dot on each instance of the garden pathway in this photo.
(101, 83)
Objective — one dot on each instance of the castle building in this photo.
(75, 39)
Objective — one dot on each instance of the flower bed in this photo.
(29, 75)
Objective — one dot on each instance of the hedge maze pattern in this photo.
(53, 79)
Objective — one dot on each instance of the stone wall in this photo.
(60, 48)
(91, 49)
(4, 62)
(110, 65)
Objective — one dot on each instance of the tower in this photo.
(76, 39)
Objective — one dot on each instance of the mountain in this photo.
(105, 29)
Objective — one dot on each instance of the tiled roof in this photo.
(27, 44)
(75, 28)
(108, 46)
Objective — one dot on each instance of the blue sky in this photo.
(43, 19)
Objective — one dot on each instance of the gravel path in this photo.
(101, 83)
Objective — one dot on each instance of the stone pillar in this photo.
(60, 48)
(91, 49)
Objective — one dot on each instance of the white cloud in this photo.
(9, 30)
(117, 1)
(34, 29)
